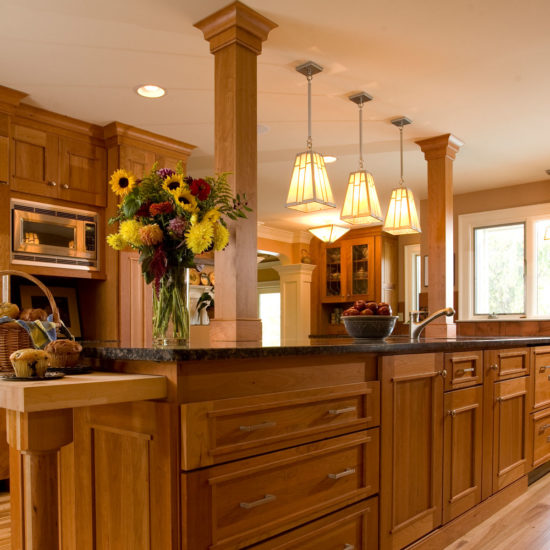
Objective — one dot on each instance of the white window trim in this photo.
(466, 225)
(409, 252)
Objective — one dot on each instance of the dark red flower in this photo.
(143, 211)
(161, 208)
(159, 265)
(200, 189)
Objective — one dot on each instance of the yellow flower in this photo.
(173, 183)
(185, 200)
(122, 182)
(151, 234)
(212, 215)
(221, 236)
(194, 219)
(199, 237)
(129, 229)
(116, 241)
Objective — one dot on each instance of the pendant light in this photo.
(361, 205)
(402, 217)
(309, 187)
(329, 233)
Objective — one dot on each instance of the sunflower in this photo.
(173, 183)
(129, 230)
(185, 200)
(199, 237)
(116, 241)
(221, 236)
(122, 182)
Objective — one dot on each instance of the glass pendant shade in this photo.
(402, 217)
(329, 233)
(309, 187)
(361, 205)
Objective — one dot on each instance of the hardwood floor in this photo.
(522, 525)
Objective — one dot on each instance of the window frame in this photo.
(529, 215)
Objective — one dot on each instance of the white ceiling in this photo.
(476, 68)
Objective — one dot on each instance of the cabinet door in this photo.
(507, 363)
(412, 448)
(83, 173)
(138, 161)
(35, 162)
(462, 438)
(359, 269)
(510, 428)
(4, 162)
(540, 360)
(332, 276)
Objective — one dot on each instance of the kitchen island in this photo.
(387, 444)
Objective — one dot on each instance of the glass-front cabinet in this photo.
(348, 270)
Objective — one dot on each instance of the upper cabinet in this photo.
(61, 167)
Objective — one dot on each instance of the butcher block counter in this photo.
(389, 444)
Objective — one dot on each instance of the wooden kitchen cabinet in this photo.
(362, 265)
(462, 451)
(540, 359)
(411, 460)
(506, 447)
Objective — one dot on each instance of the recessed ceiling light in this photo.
(150, 91)
(329, 159)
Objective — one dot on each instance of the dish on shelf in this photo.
(211, 278)
(194, 277)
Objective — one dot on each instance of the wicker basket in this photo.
(12, 335)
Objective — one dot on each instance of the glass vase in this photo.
(171, 310)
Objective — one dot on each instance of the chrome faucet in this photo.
(416, 326)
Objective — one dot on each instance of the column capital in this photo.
(442, 146)
(236, 23)
(295, 269)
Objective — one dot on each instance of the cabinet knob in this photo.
(52, 183)
(443, 373)
(65, 186)
(494, 366)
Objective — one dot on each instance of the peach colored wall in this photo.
(290, 253)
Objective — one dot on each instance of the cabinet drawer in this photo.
(540, 423)
(244, 502)
(464, 369)
(217, 431)
(541, 377)
(354, 528)
(508, 363)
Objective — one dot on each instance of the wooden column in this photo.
(38, 436)
(236, 33)
(440, 152)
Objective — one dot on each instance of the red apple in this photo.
(373, 306)
(384, 310)
(351, 311)
(360, 305)
(367, 311)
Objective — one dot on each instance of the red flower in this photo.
(143, 211)
(200, 189)
(161, 208)
(159, 265)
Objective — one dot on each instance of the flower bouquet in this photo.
(170, 218)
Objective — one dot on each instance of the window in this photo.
(504, 263)
(412, 279)
(269, 302)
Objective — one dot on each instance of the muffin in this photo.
(9, 310)
(30, 363)
(63, 353)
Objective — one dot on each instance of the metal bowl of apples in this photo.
(373, 320)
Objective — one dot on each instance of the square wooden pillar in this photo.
(440, 153)
(236, 34)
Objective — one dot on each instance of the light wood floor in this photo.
(522, 525)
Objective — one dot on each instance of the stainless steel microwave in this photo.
(54, 236)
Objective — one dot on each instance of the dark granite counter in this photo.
(330, 346)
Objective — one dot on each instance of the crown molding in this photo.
(283, 235)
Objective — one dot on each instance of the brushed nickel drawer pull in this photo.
(265, 500)
(345, 473)
(349, 547)
(471, 369)
(543, 428)
(342, 411)
(543, 368)
(255, 427)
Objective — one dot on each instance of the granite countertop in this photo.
(330, 346)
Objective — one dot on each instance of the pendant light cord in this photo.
(361, 135)
(401, 181)
(309, 141)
